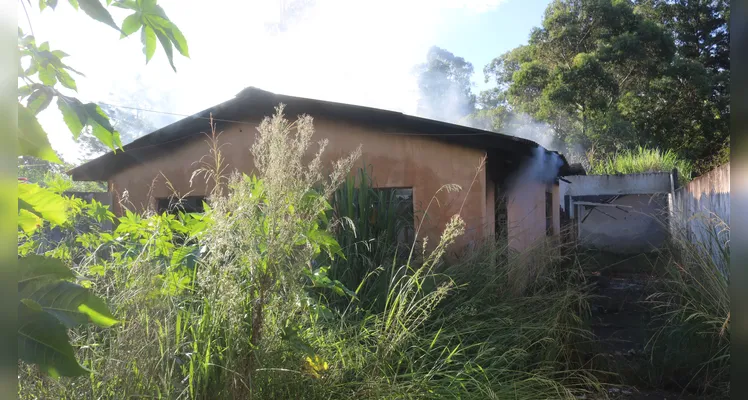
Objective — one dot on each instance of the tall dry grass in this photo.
(245, 317)
(691, 347)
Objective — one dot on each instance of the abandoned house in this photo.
(515, 198)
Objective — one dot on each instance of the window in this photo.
(548, 213)
(188, 204)
(400, 203)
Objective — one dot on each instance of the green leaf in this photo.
(36, 267)
(110, 139)
(148, 38)
(27, 221)
(126, 4)
(39, 100)
(66, 80)
(42, 5)
(32, 140)
(74, 3)
(59, 53)
(184, 256)
(97, 114)
(34, 271)
(95, 10)
(43, 340)
(71, 304)
(131, 24)
(174, 34)
(71, 117)
(179, 40)
(44, 46)
(24, 91)
(43, 203)
(47, 75)
(166, 44)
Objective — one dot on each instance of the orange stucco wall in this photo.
(398, 160)
(526, 213)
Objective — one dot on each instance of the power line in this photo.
(250, 123)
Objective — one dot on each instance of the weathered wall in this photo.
(638, 225)
(398, 160)
(700, 211)
(593, 185)
(526, 216)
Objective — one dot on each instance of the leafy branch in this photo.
(50, 302)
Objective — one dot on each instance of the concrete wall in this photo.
(593, 185)
(700, 211)
(639, 223)
(398, 160)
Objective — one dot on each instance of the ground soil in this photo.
(622, 320)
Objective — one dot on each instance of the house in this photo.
(515, 197)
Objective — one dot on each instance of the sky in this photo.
(339, 50)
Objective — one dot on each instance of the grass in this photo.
(691, 347)
(239, 302)
(640, 160)
(252, 316)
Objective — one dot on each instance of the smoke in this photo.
(351, 52)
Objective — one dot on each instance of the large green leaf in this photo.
(185, 256)
(110, 139)
(71, 116)
(27, 221)
(32, 140)
(43, 340)
(65, 79)
(131, 24)
(166, 44)
(70, 303)
(47, 75)
(95, 10)
(39, 100)
(43, 203)
(174, 34)
(148, 38)
(35, 267)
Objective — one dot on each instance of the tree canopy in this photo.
(444, 83)
(613, 74)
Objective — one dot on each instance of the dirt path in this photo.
(622, 321)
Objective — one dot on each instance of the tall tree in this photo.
(445, 87)
(620, 74)
(700, 75)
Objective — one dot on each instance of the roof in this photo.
(257, 103)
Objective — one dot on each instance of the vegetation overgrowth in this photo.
(690, 348)
(298, 284)
(238, 301)
(640, 160)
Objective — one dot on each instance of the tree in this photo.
(621, 75)
(445, 87)
(50, 300)
(701, 73)
(577, 64)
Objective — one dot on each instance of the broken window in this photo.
(188, 204)
(400, 203)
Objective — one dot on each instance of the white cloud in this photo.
(341, 50)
